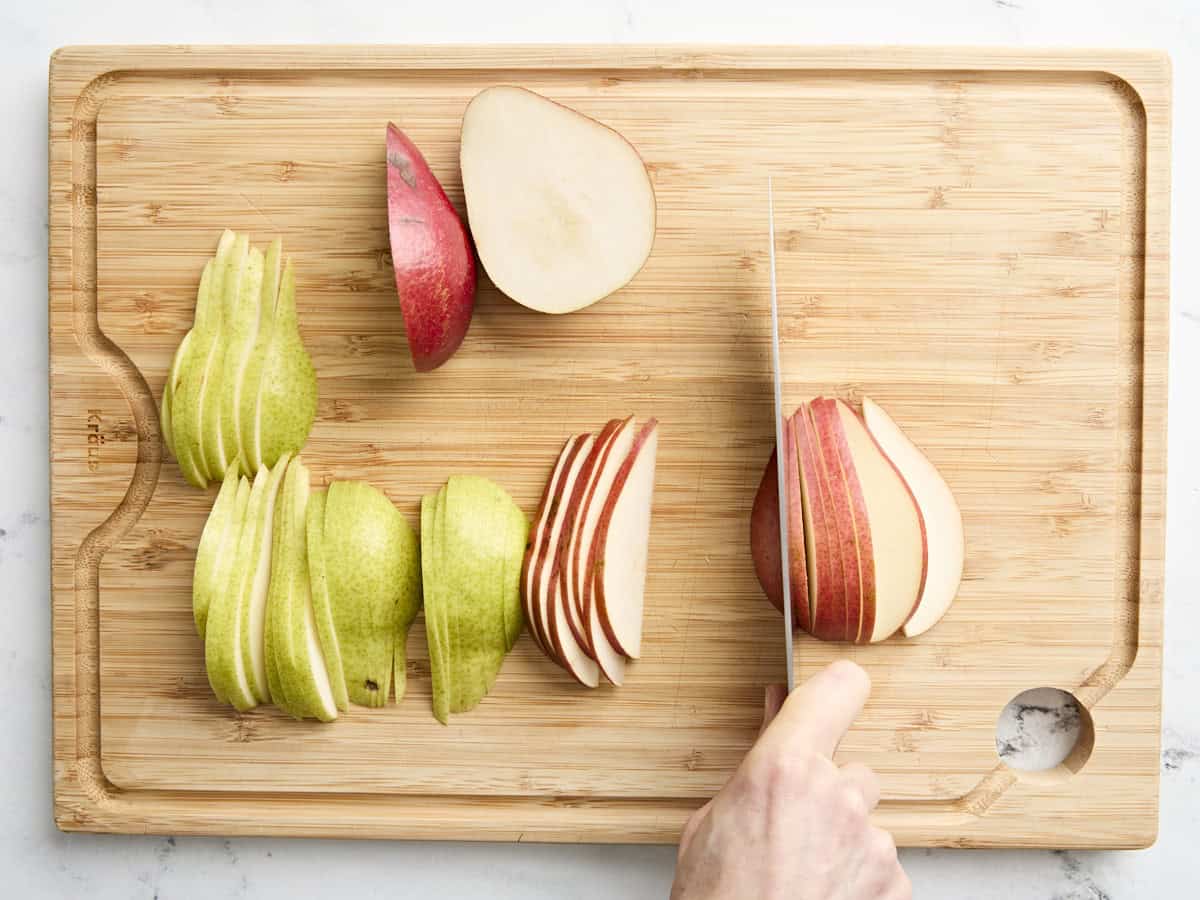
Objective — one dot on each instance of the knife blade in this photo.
(780, 461)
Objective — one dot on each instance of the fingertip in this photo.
(852, 673)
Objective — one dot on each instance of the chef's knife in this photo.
(780, 455)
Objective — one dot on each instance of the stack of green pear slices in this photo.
(304, 598)
(473, 540)
(241, 389)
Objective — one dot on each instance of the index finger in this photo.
(818, 713)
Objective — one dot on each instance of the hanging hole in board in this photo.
(1045, 734)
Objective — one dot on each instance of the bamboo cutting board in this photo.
(976, 238)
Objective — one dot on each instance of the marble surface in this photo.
(38, 861)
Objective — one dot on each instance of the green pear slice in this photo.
(286, 396)
(238, 336)
(373, 572)
(187, 383)
(258, 573)
(223, 634)
(251, 380)
(181, 352)
(216, 374)
(441, 614)
(513, 553)
(438, 657)
(222, 597)
(279, 593)
(212, 539)
(315, 530)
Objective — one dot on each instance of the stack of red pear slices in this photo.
(584, 576)
(876, 536)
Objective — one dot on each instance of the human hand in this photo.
(790, 823)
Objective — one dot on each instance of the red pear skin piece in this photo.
(432, 257)
(623, 629)
(828, 618)
(538, 536)
(852, 515)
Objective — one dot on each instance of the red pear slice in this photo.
(825, 578)
(538, 536)
(939, 510)
(851, 531)
(896, 530)
(617, 560)
(576, 573)
(764, 533)
(564, 648)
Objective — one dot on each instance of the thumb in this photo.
(773, 699)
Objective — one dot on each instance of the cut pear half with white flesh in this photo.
(223, 658)
(254, 608)
(943, 519)
(619, 554)
(561, 207)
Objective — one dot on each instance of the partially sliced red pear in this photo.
(617, 560)
(846, 527)
(561, 207)
(826, 586)
(560, 640)
(939, 510)
(897, 532)
(537, 536)
(431, 256)
(572, 591)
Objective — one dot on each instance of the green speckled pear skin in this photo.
(253, 611)
(222, 634)
(287, 389)
(208, 550)
(218, 373)
(372, 568)
(177, 361)
(188, 385)
(279, 600)
(247, 412)
(513, 551)
(315, 529)
(238, 336)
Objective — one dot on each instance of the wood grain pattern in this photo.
(978, 239)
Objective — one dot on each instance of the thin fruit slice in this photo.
(212, 439)
(177, 362)
(223, 658)
(617, 560)
(616, 450)
(238, 336)
(897, 533)
(220, 632)
(213, 544)
(249, 437)
(939, 512)
(825, 586)
(561, 207)
(254, 609)
(438, 657)
(314, 527)
(840, 477)
(547, 507)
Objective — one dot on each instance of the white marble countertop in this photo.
(38, 861)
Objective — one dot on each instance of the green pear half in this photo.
(226, 666)
(322, 606)
(372, 568)
(189, 383)
(213, 541)
(212, 441)
(255, 586)
(279, 395)
(299, 660)
(238, 335)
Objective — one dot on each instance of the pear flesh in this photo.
(256, 586)
(314, 526)
(214, 542)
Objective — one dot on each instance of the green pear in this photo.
(300, 663)
(238, 336)
(516, 537)
(181, 352)
(279, 398)
(315, 530)
(223, 658)
(188, 382)
(438, 656)
(211, 440)
(372, 570)
(254, 607)
(208, 552)
(279, 593)
(222, 596)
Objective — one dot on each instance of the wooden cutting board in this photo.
(978, 239)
